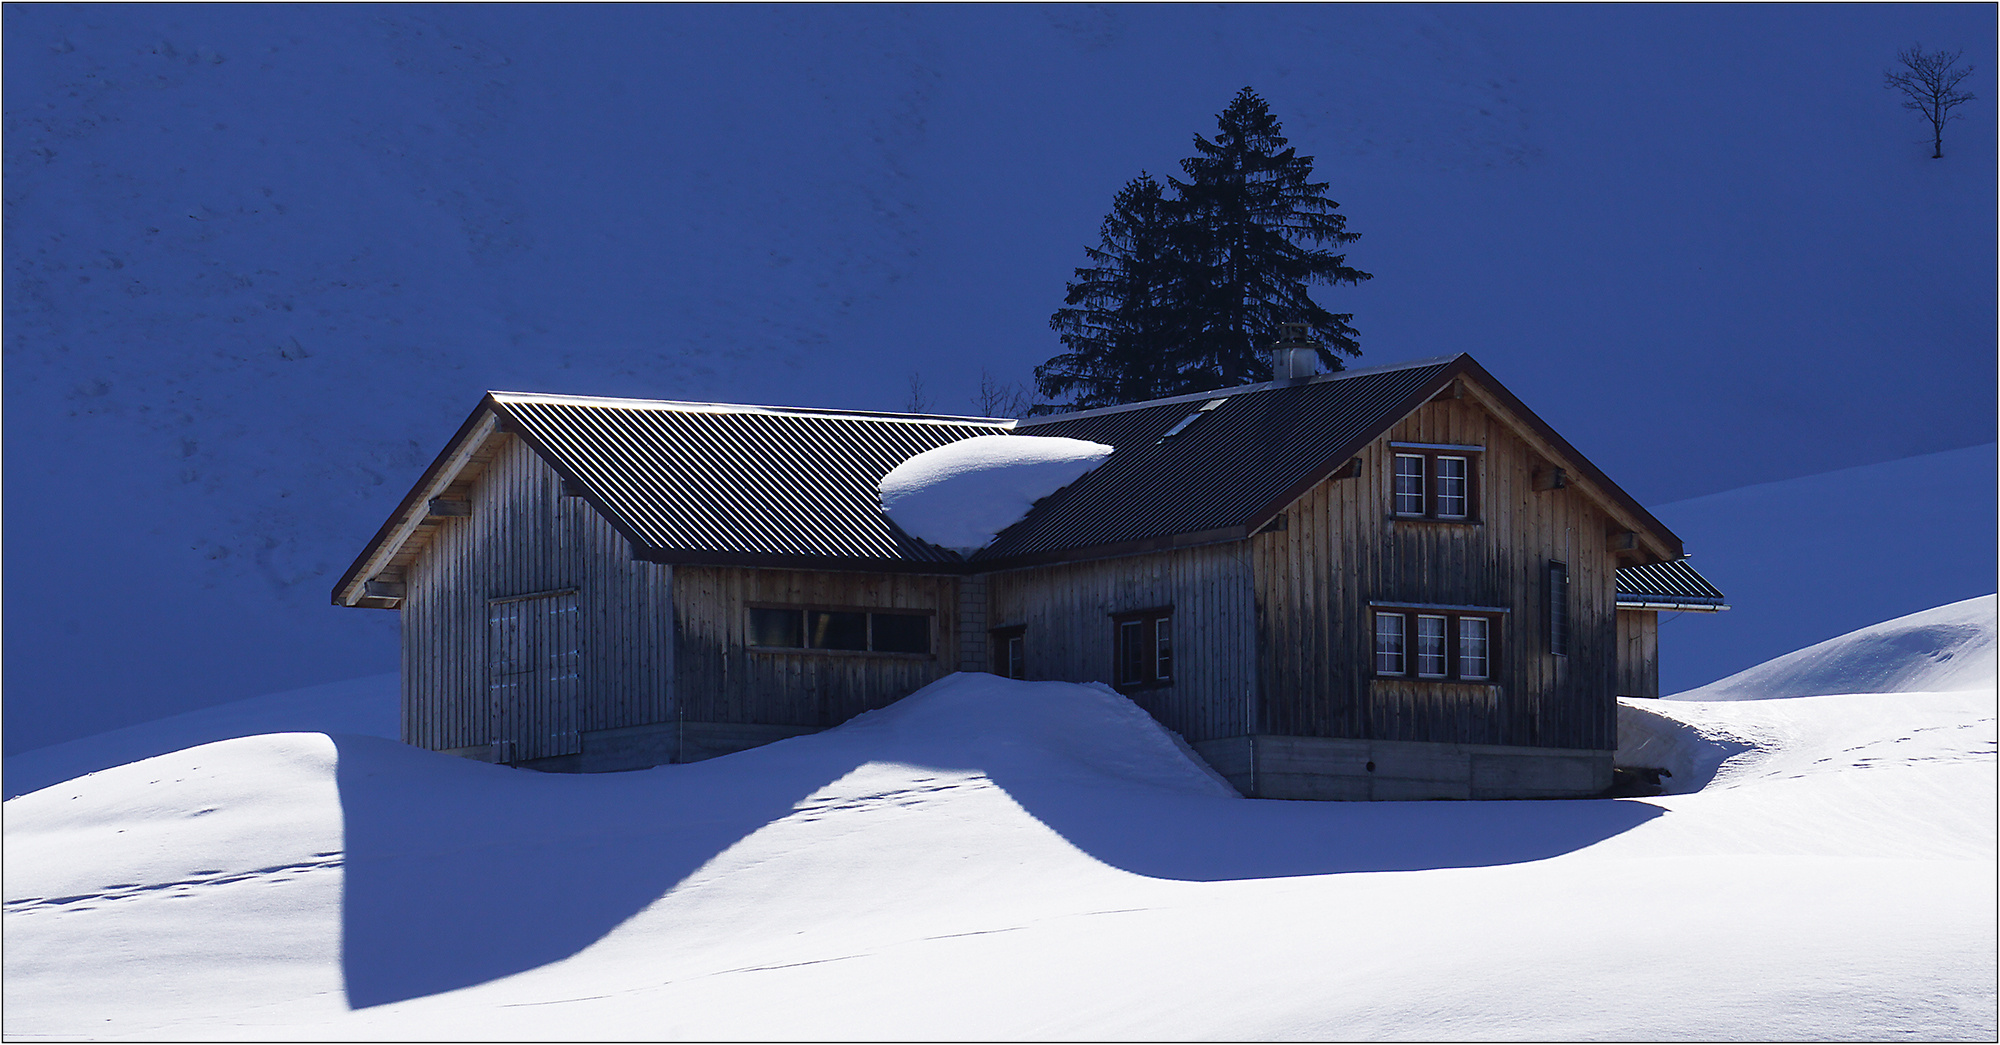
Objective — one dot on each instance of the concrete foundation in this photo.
(1327, 769)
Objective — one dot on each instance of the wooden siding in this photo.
(1341, 548)
(723, 680)
(1638, 653)
(524, 537)
(1067, 610)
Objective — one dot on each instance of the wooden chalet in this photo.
(1391, 583)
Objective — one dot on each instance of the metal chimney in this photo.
(1296, 354)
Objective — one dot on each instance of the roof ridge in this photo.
(690, 406)
(1235, 390)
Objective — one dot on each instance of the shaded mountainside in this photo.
(261, 260)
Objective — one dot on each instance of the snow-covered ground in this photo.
(997, 859)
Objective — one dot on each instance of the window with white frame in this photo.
(1441, 645)
(1436, 481)
(1143, 647)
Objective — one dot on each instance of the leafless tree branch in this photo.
(1929, 81)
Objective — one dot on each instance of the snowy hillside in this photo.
(997, 859)
(1809, 559)
(261, 260)
(364, 706)
(1948, 648)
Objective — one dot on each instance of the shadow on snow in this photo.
(458, 873)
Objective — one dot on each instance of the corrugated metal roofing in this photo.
(697, 480)
(1249, 455)
(1667, 585)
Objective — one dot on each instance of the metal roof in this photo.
(717, 483)
(1221, 471)
(776, 486)
(1667, 586)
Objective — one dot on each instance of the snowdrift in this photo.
(961, 495)
(1000, 859)
(363, 706)
(1947, 648)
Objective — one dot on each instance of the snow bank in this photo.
(364, 706)
(999, 859)
(1947, 648)
(961, 495)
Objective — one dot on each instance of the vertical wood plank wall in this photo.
(1638, 653)
(723, 680)
(1341, 548)
(1066, 611)
(522, 537)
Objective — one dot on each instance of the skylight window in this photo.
(1192, 418)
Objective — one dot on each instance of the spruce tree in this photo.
(1253, 229)
(1125, 316)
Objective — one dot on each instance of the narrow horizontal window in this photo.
(1430, 646)
(836, 629)
(900, 632)
(784, 629)
(1389, 644)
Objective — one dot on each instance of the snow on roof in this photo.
(961, 495)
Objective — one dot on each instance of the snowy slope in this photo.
(364, 706)
(1816, 557)
(1948, 648)
(995, 859)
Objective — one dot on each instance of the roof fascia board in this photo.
(409, 515)
(1663, 542)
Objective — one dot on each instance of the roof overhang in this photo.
(412, 518)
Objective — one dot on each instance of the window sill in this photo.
(877, 654)
(1432, 520)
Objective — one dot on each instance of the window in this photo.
(1431, 661)
(1436, 481)
(1388, 644)
(1474, 647)
(1143, 647)
(855, 631)
(1558, 593)
(1010, 652)
(1409, 484)
(1447, 644)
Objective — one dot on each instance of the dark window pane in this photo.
(830, 629)
(902, 632)
(1558, 609)
(1131, 653)
(776, 628)
(1163, 659)
(1017, 656)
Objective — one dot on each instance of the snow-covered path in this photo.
(992, 859)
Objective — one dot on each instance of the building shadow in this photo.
(458, 873)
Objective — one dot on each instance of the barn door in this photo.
(532, 643)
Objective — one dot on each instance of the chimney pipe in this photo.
(1296, 355)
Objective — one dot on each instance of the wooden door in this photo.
(533, 657)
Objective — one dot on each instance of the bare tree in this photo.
(919, 402)
(1930, 80)
(999, 400)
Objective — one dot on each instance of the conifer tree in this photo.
(1125, 316)
(1191, 282)
(1254, 230)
